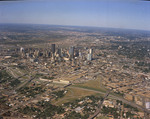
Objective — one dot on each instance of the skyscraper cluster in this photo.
(57, 54)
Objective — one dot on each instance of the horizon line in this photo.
(80, 26)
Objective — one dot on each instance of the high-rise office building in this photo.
(36, 53)
(89, 57)
(49, 54)
(71, 52)
(53, 48)
(21, 49)
(91, 51)
(90, 54)
(59, 52)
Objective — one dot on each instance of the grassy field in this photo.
(72, 94)
(102, 117)
(93, 84)
(76, 91)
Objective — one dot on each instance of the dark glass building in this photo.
(53, 48)
(71, 52)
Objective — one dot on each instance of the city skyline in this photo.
(67, 72)
(130, 14)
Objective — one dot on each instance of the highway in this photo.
(117, 98)
(100, 105)
(24, 83)
(107, 94)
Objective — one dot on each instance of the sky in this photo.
(128, 14)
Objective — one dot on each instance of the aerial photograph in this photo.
(74, 59)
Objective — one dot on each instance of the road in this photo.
(24, 83)
(117, 98)
(100, 105)
(104, 93)
(11, 71)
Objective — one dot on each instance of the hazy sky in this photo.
(132, 14)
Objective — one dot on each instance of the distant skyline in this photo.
(127, 14)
